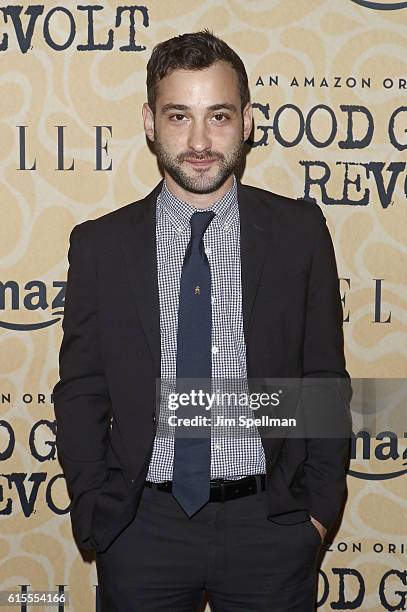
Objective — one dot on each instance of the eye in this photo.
(177, 117)
(220, 117)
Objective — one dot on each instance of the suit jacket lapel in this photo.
(139, 248)
(253, 243)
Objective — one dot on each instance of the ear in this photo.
(148, 120)
(247, 120)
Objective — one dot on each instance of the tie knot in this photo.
(199, 223)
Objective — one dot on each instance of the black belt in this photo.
(222, 490)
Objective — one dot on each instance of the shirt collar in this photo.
(179, 212)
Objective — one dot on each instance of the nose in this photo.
(198, 137)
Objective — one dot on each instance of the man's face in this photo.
(198, 128)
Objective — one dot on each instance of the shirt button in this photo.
(213, 300)
(208, 251)
(226, 226)
(179, 230)
(215, 350)
(217, 446)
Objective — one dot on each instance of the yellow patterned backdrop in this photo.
(328, 79)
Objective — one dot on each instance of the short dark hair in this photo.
(192, 51)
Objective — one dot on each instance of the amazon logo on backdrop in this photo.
(34, 296)
(384, 447)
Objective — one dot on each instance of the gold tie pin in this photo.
(197, 290)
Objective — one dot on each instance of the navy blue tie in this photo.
(192, 451)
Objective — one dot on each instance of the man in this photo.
(205, 278)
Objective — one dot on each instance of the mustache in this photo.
(200, 157)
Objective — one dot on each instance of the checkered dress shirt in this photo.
(232, 456)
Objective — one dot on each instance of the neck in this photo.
(199, 200)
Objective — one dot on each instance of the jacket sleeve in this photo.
(327, 388)
(81, 398)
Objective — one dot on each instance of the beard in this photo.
(201, 181)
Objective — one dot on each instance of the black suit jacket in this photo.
(110, 357)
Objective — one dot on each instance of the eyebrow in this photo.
(184, 107)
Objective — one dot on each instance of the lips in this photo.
(200, 163)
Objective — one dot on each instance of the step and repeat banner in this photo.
(328, 84)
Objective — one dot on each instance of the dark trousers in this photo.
(166, 562)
